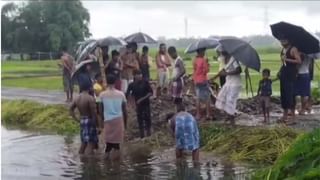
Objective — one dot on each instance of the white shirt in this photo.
(175, 69)
(233, 80)
(304, 66)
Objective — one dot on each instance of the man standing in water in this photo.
(290, 58)
(89, 122)
(141, 90)
(178, 73)
(67, 64)
(115, 116)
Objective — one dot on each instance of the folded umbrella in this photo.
(206, 43)
(297, 35)
(242, 51)
(111, 41)
(140, 38)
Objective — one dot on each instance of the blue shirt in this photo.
(112, 104)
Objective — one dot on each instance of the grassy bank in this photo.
(34, 116)
(301, 161)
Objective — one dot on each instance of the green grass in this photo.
(45, 83)
(35, 116)
(301, 161)
(13, 71)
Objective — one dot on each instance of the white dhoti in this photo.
(227, 98)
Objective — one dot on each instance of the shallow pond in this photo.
(27, 155)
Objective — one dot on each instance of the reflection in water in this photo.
(28, 155)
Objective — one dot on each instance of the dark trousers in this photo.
(144, 118)
(287, 93)
(222, 80)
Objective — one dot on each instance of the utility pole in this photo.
(186, 27)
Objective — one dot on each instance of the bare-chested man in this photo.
(89, 123)
(67, 65)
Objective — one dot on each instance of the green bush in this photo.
(301, 161)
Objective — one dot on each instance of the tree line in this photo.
(41, 25)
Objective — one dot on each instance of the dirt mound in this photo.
(252, 105)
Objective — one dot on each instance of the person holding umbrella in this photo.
(200, 78)
(290, 58)
(230, 91)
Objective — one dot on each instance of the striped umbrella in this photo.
(140, 38)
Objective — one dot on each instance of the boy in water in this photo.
(114, 116)
(89, 123)
(264, 92)
(185, 129)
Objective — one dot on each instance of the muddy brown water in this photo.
(29, 155)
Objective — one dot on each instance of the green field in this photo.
(47, 73)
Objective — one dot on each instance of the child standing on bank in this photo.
(265, 92)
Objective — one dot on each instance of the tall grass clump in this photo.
(301, 161)
(253, 144)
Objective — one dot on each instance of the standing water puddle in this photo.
(34, 156)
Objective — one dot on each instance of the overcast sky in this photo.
(205, 18)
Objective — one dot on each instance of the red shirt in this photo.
(200, 70)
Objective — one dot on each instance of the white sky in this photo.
(205, 18)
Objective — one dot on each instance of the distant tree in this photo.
(44, 25)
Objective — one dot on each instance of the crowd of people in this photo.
(104, 109)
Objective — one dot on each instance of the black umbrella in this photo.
(140, 38)
(202, 43)
(111, 41)
(297, 36)
(242, 51)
